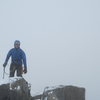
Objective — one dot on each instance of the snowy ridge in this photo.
(9, 80)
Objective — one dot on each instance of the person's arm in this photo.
(7, 58)
(24, 61)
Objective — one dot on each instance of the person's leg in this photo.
(19, 71)
(12, 70)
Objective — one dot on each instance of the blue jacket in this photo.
(17, 57)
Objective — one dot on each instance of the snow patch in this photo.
(18, 88)
(53, 87)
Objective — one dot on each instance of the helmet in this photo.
(17, 42)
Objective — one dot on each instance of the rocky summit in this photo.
(19, 89)
(16, 89)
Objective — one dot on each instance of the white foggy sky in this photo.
(61, 39)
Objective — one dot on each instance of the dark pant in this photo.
(13, 68)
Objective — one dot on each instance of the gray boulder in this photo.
(18, 89)
(62, 93)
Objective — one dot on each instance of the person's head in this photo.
(17, 44)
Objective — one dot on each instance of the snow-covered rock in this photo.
(15, 89)
(62, 93)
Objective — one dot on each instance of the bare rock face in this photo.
(62, 93)
(69, 93)
(18, 89)
(4, 90)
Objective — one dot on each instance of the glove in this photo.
(4, 65)
(25, 70)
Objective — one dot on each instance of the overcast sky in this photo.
(61, 39)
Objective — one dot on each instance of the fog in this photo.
(61, 40)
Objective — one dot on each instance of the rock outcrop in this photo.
(62, 93)
(17, 89)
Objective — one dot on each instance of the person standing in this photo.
(18, 58)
